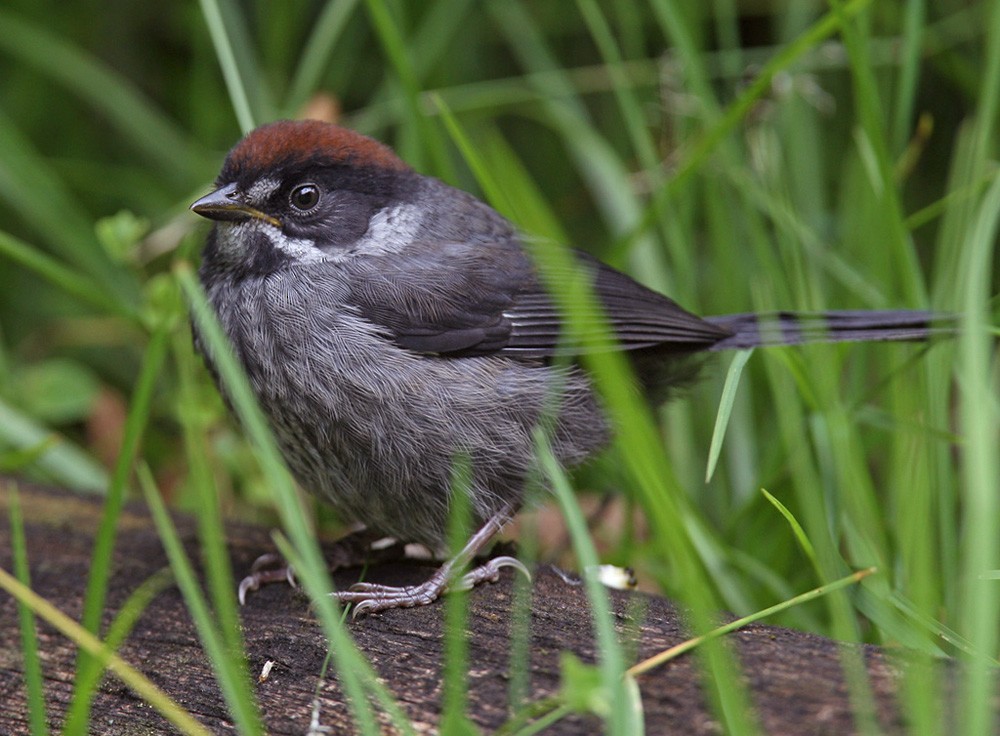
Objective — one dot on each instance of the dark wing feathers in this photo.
(460, 300)
(638, 317)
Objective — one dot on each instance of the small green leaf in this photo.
(582, 689)
(119, 233)
(163, 302)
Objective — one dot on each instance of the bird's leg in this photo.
(370, 597)
(355, 549)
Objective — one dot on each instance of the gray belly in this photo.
(377, 431)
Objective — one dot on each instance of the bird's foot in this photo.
(372, 597)
(357, 548)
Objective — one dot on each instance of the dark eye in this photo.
(304, 197)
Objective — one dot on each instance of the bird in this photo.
(391, 325)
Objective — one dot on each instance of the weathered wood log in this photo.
(795, 680)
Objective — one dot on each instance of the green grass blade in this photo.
(317, 52)
(229, 664)
(132, 678)
(211, 533)
(628, 104)
(797, 530)
(455, 696)
(26, 619)
(429, 149)
(78, 713)
(611, 657)
(121, 626)
(911, 47)
(232, 72)
(981, 428)
(726, 402)
(665, 656)
(62, 461)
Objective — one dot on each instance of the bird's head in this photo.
(301, 191)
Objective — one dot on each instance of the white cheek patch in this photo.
(390, 230)
(233, 236)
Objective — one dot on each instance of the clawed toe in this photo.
(372, 597)
(259, 575)
(489, 572)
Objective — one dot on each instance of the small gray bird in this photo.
(390, 324)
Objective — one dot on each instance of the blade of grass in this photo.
(232, 72)
(611, 658)
(26, 619)
(228, 662)
(675, 651)
(211, 534)
(454, 698)
(78, 713)
(121, 626)
(725, 408)
(628, 104)
(970, 193)
(11, 461)
(317, 51)
(797, 530)
(131, 677)
(980, 426)
(911, 47)
(396, 50)
(63, 461)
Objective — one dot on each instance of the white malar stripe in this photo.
(232, 238)
(299, 249)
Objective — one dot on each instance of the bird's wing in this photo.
(485, 299)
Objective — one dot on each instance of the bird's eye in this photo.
(304, 197)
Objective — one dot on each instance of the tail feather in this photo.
(795, 328)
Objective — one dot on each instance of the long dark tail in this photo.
(794, 328)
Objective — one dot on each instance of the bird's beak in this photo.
(226, 203)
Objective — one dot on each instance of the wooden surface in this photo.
(795, 679)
